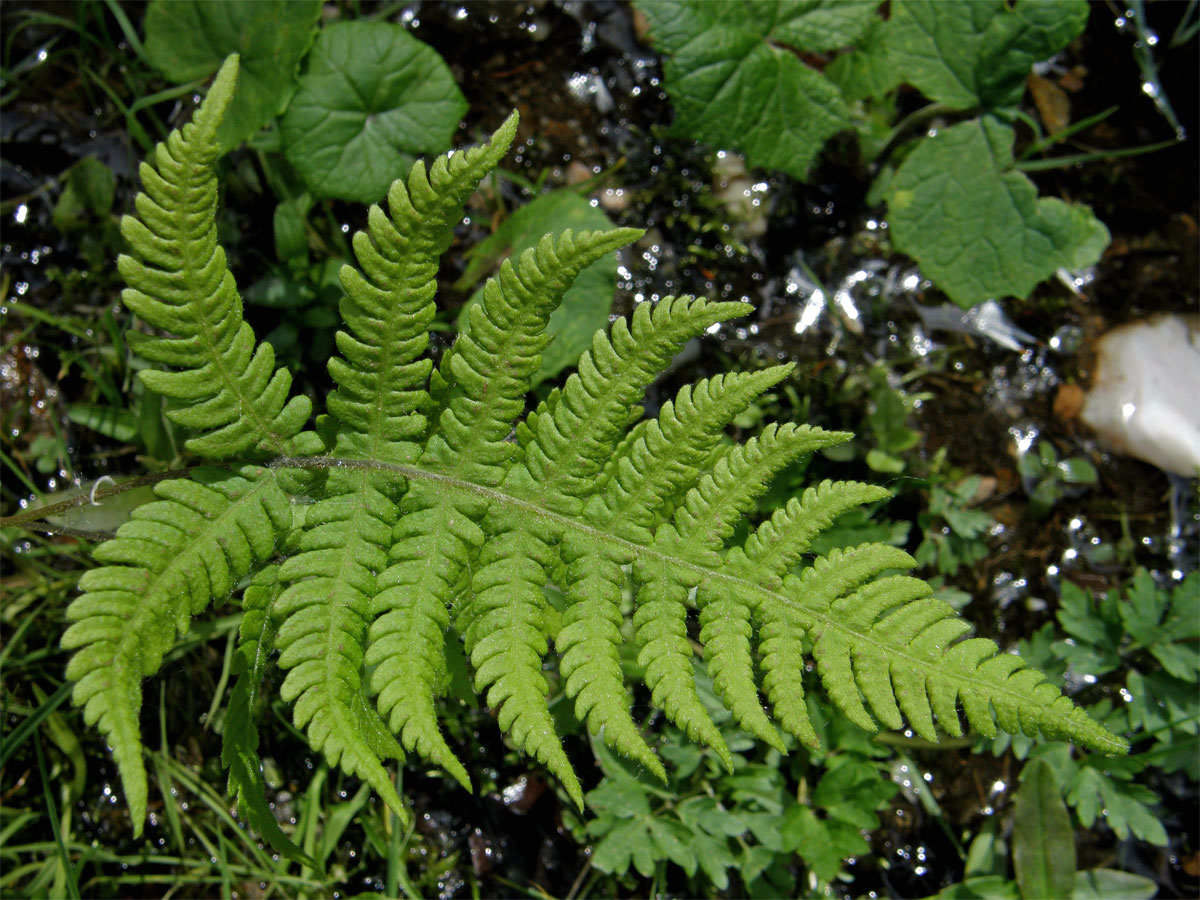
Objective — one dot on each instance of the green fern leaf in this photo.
(166, 564)
(438, 512)
(178, 282)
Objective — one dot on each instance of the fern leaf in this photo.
(388, 312)
(411, 616)
(666, 655)
(577, 432)
(166, 564)
(904, 650)
(491, 366)
(589, 648)
(665, 458)
(178, 282)
(725, 631)
(487, 373)
(769, 552)
(325, 614)
(711, 509)
(379, 401)
(239, 743)
(778, 544)
(505, 638)
(428, 519)
(674, 447)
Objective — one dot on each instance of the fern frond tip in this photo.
(220, 94)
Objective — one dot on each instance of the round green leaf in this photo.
(189, 39)
(373, 96)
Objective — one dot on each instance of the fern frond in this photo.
(712, 508)
(503, 629)
(777, 544)
(388, 312)
(589, 649)
(325, 613)
(672, 448)
(902, 648)
(380, 402)
(725, 631)
(411, 613)
(664, 459)
(178, 282)
(166, 564)
(666, 655)
(491, 366)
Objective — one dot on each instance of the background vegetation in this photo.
(1084, 560)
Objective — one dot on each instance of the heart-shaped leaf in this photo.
(372, 97)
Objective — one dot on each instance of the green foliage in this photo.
(1046, 476)
(957, 202)
(1149, 635)
(430, 520)
(977, 53)
(189, 39)
(750, 822)
(736, 79)
(1043, 843)
(1043, 854)
(369, 91)
(373, 93)
(976, 226)
(955, 535)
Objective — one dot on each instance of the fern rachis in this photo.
(425, 523)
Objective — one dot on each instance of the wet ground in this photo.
(591, 101)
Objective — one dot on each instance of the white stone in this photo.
(1145, 399)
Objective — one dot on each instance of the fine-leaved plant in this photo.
(426, 508)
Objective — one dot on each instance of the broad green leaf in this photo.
(585, 307)
(189, 39)
(969, 53)
(867, 70)
(977, 227)
(371, 98)
(1043, 841)
(1110, 884)
(736, 80)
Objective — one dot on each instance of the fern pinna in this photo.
(427, 519)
